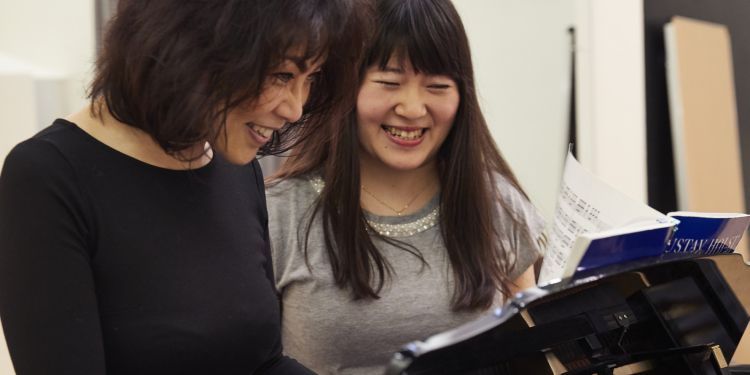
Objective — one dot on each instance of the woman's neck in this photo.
(135, 142)
(389, 192)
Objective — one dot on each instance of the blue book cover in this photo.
(622, 245)
(706, 233)
(620, 248)
(686, 234)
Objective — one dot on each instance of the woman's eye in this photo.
(282, 77)
(439, 86)
(387, 83)
(314, 77)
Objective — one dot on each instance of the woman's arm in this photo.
(48, 304)
(526, 280)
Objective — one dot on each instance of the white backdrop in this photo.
(522, 64)
(46, 56)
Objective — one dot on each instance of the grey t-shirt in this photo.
(323, 328)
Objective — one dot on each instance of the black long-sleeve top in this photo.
(111, 265)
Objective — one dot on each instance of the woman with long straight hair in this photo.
(405, 220)
(133, 234)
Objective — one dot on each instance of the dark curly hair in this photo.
(174, 68)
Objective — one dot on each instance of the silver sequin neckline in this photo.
(393, 230)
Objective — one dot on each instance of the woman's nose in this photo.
(292, 106)
(411, 105)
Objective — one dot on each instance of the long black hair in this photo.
(430, 34)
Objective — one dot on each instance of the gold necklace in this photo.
(401, 211)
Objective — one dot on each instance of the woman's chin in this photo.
(405, 165)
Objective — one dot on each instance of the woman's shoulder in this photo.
(290, 203)
(59, 148)
(42, 172)
(518, 203)
(509, 192)
(47, 153)
(297, 185)
(292, 196)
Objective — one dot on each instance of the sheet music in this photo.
(585, 204)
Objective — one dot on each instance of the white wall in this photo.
(522, 62)
(521, 58)
(46, 49)
(46, 55)
(611, 100)
(54, 36)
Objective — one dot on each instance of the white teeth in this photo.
(263, 131)
(403, 134)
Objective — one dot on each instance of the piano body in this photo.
(678, 316)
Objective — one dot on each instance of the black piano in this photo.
(678, 316)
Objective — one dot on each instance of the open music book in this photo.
(595, 225)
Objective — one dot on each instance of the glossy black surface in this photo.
(665, 311)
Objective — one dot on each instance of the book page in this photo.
(586, 204)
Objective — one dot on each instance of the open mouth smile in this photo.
(261, 131)
(261, 134)
(404, 134)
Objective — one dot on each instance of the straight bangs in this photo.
(302, 31)
(421, 33)
(305, 41)
(429, 35)
(331, 32)
(300, 37)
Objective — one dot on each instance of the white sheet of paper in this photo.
(586, 204)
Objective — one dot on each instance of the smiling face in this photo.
(250, 126)
(404, 116)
